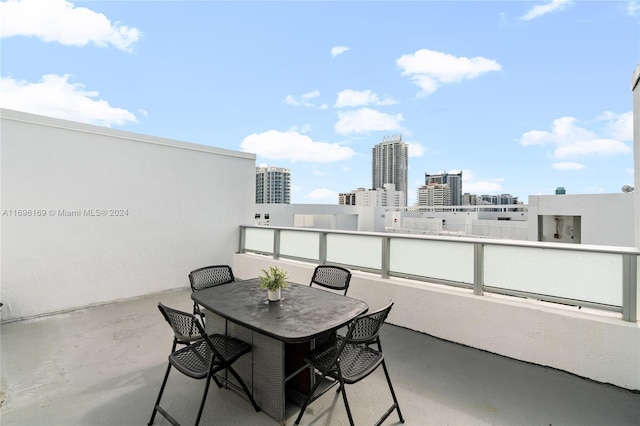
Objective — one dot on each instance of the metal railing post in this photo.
(322, 250)
(243, 239)
(478, 268)
(386, 257)
(629, 288)
(276, 244)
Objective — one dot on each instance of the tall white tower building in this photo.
(273, 185)
(390, 164)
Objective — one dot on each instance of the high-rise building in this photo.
(390, 164)
(380, 197)
(454, 180)
(497, 199)
(273, 185)
(469, 199)
(348, 198)
(434, 194)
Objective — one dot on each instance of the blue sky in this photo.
(523, 97)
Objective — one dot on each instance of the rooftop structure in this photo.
(73, 238)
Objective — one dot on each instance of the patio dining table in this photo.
(280, 333)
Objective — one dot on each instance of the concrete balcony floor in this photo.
(103, 366)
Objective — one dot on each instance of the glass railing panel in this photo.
(300, 244)
(432, 259)
(259, 240)
(356, 250)
(578, 275)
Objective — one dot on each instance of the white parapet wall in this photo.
(635, 88)
(601, 347)
(92, 215)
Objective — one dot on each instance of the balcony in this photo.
(104, 365)
(555, 327)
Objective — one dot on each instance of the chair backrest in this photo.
(186, 328)
(210, 276)
(333, 277)
(366, 327)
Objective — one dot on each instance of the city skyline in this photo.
(522, 97)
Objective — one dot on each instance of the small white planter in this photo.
(274, 295)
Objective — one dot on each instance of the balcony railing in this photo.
(599, 277)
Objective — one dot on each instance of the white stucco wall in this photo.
(635, 87)
(182, 204)
(605, 218)
(600, 347)
(328, 216)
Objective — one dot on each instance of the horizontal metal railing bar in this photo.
(431, 280)
(553, 299)
(470, 240)
(297, 258)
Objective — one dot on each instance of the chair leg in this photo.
(393, 394)
(244, 387)
(157, 405)
(307, 400)
(204, 398)
(346, 403)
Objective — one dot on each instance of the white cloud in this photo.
(619, 126)
(416, 150)
(365, 120)
(592, 147)
(567, 165)
(294, 146)
(633, 8)
(305, 128)
(339, 50)
(482, 187)
(571, 140)
(535, 137)
(543, 9)
(54, 96)
(479, 187)
(429, 68)
(354, 98)
(594, 190)
(303, 100)
(60, 21)
(311, 95)
(323, 196)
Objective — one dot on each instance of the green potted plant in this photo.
(273, 279)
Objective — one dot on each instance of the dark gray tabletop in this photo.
(301, 314)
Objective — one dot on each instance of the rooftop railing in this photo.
(599, 277)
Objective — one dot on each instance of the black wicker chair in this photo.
(332, 277)
(203, 357)
(349, 359)
(209, 276)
